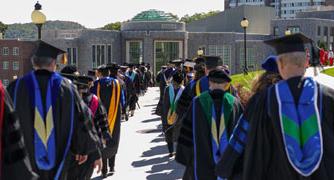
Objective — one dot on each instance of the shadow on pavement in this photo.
(157, 140)
(157, 150)
(148, 162)
(150, 105)
(151, 120)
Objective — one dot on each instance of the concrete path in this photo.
(143, 152)
(321, 77)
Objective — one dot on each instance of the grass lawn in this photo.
(245, 80)
(329, 72)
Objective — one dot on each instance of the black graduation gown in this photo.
(133, 91)
(83, 142)
(169, 130)
(205, 165)
(265, 157)
(15, 161)
(106, 90)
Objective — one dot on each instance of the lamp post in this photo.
(287, 32)
(38, 18)
(200, 52)
(244, 24)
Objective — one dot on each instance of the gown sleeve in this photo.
(165, 108)
(184, 150)
(16, 163)
(85, 139)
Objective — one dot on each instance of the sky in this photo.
(97, 13)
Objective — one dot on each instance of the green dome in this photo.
(154, 15)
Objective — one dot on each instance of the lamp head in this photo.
(244, 23)
(37, 17)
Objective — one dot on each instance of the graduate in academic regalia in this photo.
(149, 75)
(53, 117)
(213, 114)
(194, 89)
(230, 165)
(169, 117)
(128, 90)
(100, 124)
(291, 132)
(14, 160)
(109, 92)
(133, 97)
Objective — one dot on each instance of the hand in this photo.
(104, 142)
(98, 164)
(81, 158)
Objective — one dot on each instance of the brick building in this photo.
(14, 59)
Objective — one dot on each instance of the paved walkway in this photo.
(143, 152)
(321, 77)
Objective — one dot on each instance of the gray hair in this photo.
(41, 61)
(293, 58)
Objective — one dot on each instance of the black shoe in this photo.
(171, 155)
(104, 175)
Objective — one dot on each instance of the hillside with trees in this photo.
(29, 30)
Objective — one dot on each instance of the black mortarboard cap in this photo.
(212, 61)
(71, 77)
(163, 67)
(91, 72)
(113, 66)
(177, 61)
(124, 67)
(46, 50)
(218, 76)
(84, 79)
(199, 60)
(270, 64)
(131, 65)
(102, 68)
(69, 69)
(289, 43)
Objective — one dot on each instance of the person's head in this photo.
(46, 63)
(113, 69)
(199, 71)
(102, 71)
(178, 78)
(218, 79)
(45, 56)
(131, 67)
(211, 63)
(84, 83)
(292, 64)
(70, 69)
(265, 80)
(292, 60)
(123, 69)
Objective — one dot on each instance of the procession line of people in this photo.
(282, 130)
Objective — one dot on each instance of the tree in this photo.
(112, 26)
(3, 28)
(198, 16)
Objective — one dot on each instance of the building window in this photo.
(294, 29)
(325, 31)
(319, 31)
(227, 55)
(69, 55)
(99, 53)
(5, 65)
(5, 82)
(94, 56)
(16, 51)
(74, 57)
(5, 51)
(251, 61)
(16, 65)
(135, 51)
(109, 54)
(276, 31)
(332, 31)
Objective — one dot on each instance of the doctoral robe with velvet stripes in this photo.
(83, 142)
(264, 154)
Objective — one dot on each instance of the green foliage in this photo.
(112, 26)
(29, 30)
(245, 80)
(3, 27)
(198, 16)
(322, 45)
(329, 72)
